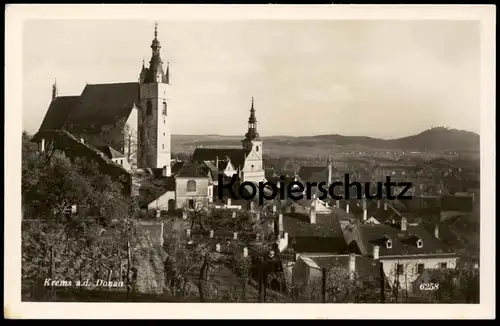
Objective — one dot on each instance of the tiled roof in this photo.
(153, 187)
(98, 114)
(58, 112)
(73, 148)
(111, 152)
(101, 105)
(176, 167)
(236, 155)
(193, 169)
(323, 237)
(403, 242)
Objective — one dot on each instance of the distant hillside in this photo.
(434, 139)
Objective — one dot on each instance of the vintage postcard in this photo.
(305, 156)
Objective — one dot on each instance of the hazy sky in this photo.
(375, 78)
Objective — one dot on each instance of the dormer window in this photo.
(420, 243)
(388, 243)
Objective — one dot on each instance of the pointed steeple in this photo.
(54, 89)
(155, 72)
(167, 73)
(252, 124)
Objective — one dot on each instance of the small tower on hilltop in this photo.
(154, 147)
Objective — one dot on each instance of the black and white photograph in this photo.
(250, 155)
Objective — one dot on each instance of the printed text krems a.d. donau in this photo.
(295, 190)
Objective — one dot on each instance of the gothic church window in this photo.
(149, 108)
(191, 185)
(164, 108)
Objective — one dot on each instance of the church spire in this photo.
(252, 124)
(155, 72)
(54, 89)
(167, 73)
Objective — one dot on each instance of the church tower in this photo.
(253, 169)
(153, 121)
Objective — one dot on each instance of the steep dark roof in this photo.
(58, 112)
(323, 237)
(153, 187)
(101, 105)
(176, 167)
(236, 155)
(403, 242)
(73, 148)
(193, 169)
(110, 152)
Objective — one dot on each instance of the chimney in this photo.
(404, 224)
(337, 203)
(329, 166)
(347, 207)
(365, 214)
(436, 231)
(42, 145)
(280, 223)
(245, 252)
(235, 235)
(352, 266)
(188, 232)
(212, 233)
(312, 215)
(161, 234)
(378, 204)
(217, 247)
(228, 201)
(82, 140)
(166, 172)
(375, 252)
(385, 206)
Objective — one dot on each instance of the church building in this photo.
(245, 162)
(129, 124)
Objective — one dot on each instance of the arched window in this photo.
(149, 108)
(257, 148)
(191, 185)
(164, 108)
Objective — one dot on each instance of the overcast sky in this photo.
(372, 78)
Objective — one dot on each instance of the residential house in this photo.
(193, 186)
(405, 250)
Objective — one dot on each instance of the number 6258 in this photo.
(429, 286)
